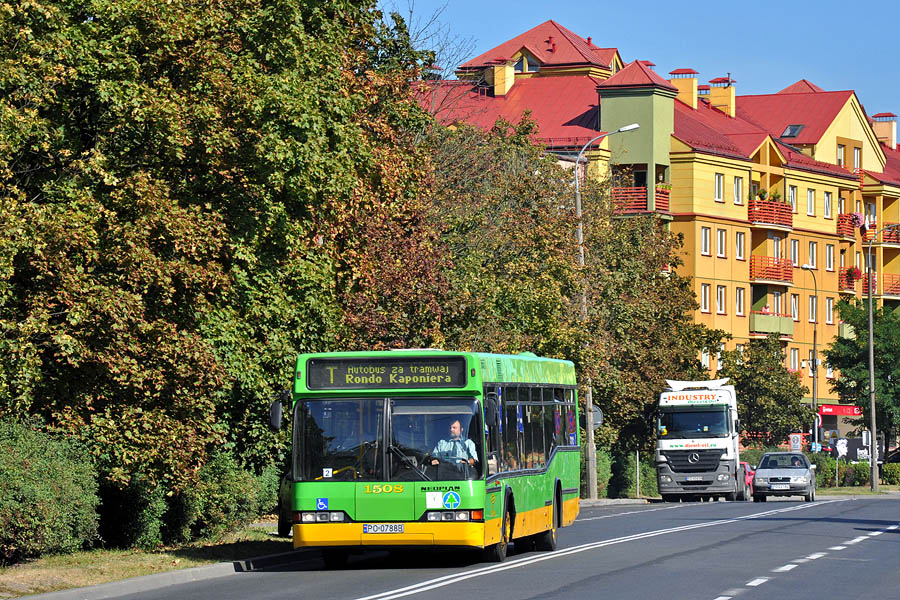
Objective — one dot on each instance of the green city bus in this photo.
(427, 448)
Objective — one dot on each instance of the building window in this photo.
(795, 359)
(520, 65)
(720, 299)
(739, 301)
(857, 159)
(827, 212)
(840, 155)
(795, 252)
(704, 297)
(829, 257)
(829, 310)
(792, 197)
(812, 254)
(795, 307)
(841, 203)
(738, 190)
(810, 202)
(719, 356)
(829, 371)
(776, 300)
(704, 241)
(704, 359)
(776, 246)
(858, 264)
(720, 187)
(720, 243)
(739, 245)
(812, 309)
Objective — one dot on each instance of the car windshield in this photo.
(692, 423)
(427, 439)
(783, 461)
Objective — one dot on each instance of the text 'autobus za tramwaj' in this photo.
(431, 449)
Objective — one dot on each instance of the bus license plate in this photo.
(780, 486)
(382, 527)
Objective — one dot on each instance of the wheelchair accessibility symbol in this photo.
(321, 503)
(451, 500)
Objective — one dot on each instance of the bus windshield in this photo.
(428, 439)
(693, 423)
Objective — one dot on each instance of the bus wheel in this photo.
(284, 524)
(497, 552)
(334, 558)
(546, 540)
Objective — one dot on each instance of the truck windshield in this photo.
(426, 439)
(693, 423)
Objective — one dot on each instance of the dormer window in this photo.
(520, 65)
(792, 131)
(533, 66)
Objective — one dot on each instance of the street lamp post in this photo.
(815, 363)
(873, 459)
(590, 448)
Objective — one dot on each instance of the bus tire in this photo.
(497, 552)
(284, 525)
(546, 541)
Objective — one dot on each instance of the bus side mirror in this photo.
(276, 410)
(491, 408)
(275, 416)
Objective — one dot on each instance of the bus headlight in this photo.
(434, 516)
(309, 517)
(462, 515)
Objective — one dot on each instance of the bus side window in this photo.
(571, 421)
(510, 429)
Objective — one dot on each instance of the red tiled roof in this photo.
(774, 112)
(636, 74)
(884, 116)
(727, 80)
(698, 129)
(564, 107)
(648, 63)
(891, 173)
(552, 44)
(801, 87)
(683, 72)
(796, 160)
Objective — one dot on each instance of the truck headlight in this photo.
(722, 477)
(665, 479)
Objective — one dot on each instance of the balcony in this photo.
(770, 213)
(845, 225)
(869, 278)
(630, 200)
(767, 268)
(846, 283)
(891, 285)
(888, 236)
(762, 324)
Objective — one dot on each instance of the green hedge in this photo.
(48, 502)
(891, 473)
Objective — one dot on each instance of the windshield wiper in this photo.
(409, 462)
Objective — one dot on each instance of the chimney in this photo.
(885, 127)
(721, 94)
(685, 80)
(589, 40)
(501, 75)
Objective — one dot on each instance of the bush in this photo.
(855, 474)
(623, 484)
(132, 516)
(226, 498)
(824, 469)
(891, 473)
(49, 497)
(267, 483)
(604, 472)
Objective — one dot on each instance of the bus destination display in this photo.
(385, 373)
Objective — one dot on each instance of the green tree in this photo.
(769, 396)
(190, 195)
(849, 356)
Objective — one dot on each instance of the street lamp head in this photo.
(631, 127)
(807, 267)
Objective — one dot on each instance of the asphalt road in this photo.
(836, 548)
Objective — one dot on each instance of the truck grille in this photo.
(707, 460)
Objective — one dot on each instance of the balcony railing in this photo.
(867, 279)
(891, 284)
(771, 269)
(662, 198)
(770, 212)
(845, 282)
(845, 225)
(763, 323)
(629, 199)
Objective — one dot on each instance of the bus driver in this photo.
(455, 447)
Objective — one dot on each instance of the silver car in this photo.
(784, 474)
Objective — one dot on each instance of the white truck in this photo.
(697, 454)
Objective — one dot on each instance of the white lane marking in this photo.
(757, 581)
(838, 548)
(722, 598)
(893, 527)
(874, 533)
(816, 555)
(785, 568)
(800, 561)
(446, 580)
(631, 512)
(855, 540)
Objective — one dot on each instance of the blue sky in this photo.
(766, 45)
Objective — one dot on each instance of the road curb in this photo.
(146, 583)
